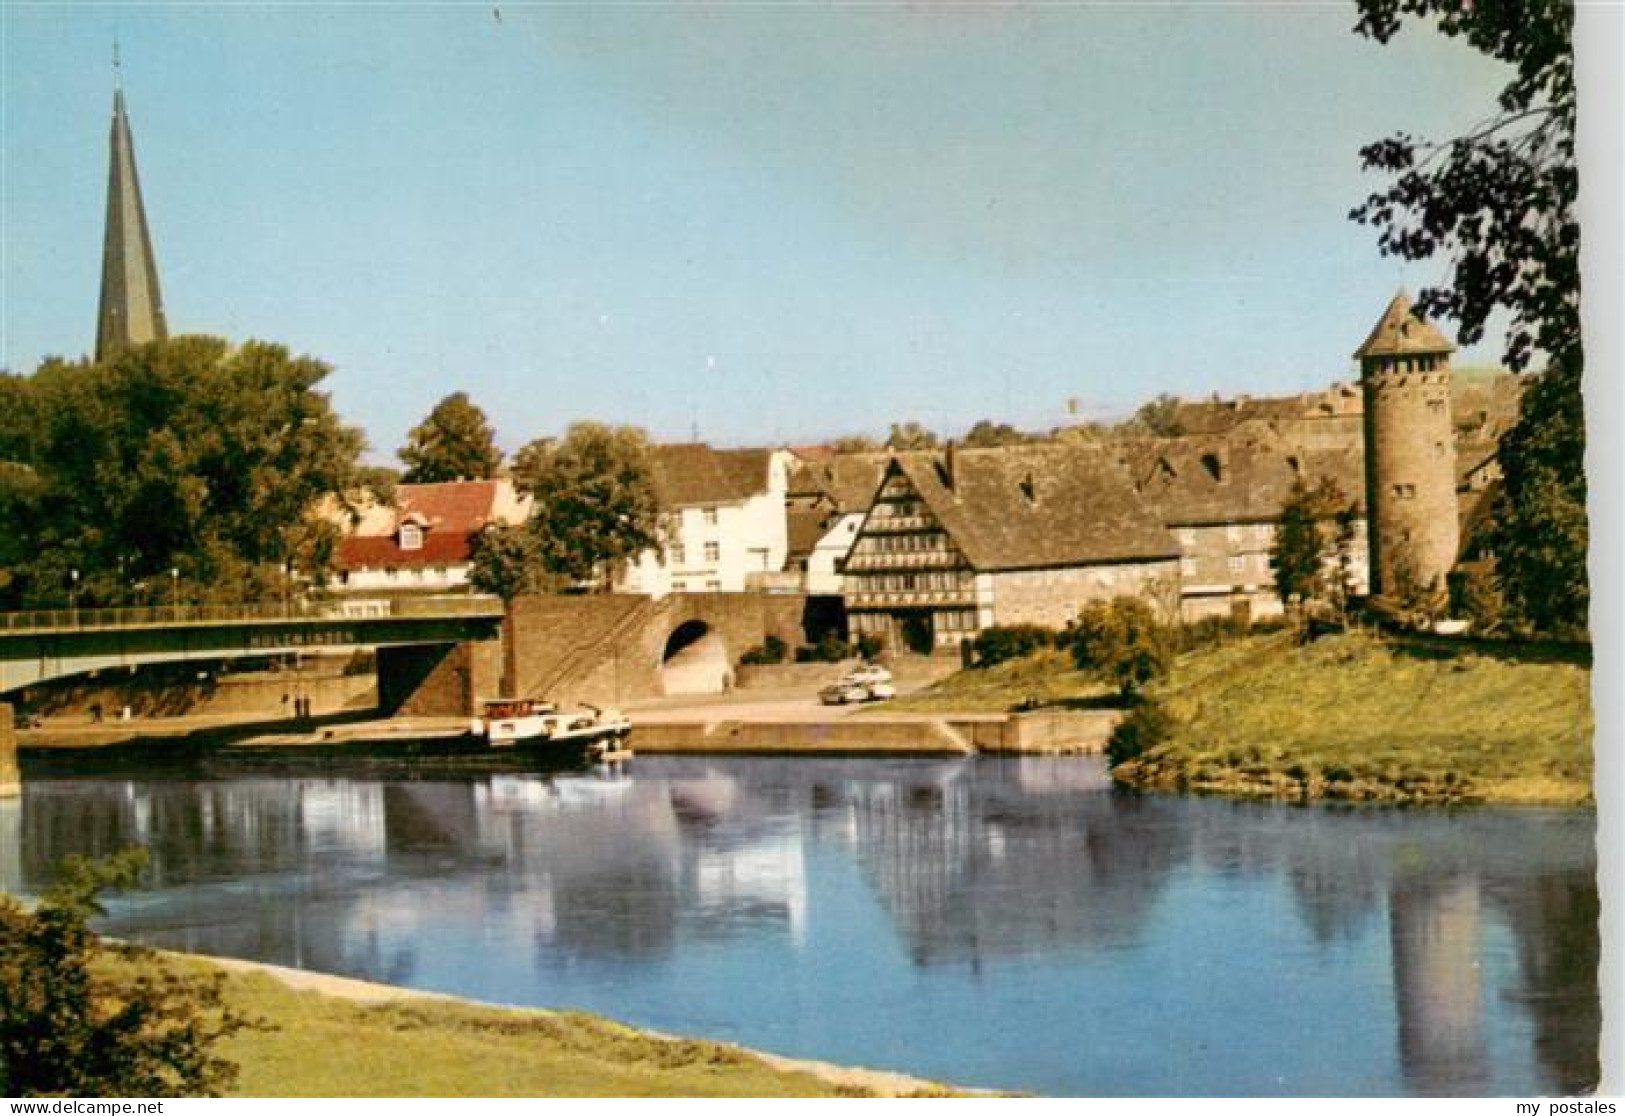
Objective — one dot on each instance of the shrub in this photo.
(1146, 725)
(1011, 641)
(69, 1029)
(870, 646)
(1209, 631)
(830, 648)
(1119, 641)
(772, 650)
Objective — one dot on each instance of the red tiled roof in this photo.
(456, 506)
(380, 551)
(450, 515)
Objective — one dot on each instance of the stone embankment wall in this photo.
(1042, 732)
(10, 778)
(180, 693)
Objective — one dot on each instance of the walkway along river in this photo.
(993, 921)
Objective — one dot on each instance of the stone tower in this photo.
(132, 310)
(1410, 456)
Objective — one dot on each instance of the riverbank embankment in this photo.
(334, 1036)
(722, 729)
(1361, 717)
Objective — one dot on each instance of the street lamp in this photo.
(175, 591)
(73, 594)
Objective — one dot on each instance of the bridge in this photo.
(39, 646)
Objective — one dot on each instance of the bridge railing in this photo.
(70, 619)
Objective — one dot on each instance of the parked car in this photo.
(880, 691)
(843, 693)
(868, 674)
(846, 692)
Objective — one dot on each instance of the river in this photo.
(1002, 922)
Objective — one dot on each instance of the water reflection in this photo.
(763, 900)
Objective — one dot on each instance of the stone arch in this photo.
(695, 659)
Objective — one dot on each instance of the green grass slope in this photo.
(1358, 717)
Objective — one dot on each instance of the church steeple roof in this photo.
(1401, 331)
(132, 309)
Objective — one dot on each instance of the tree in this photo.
(1160, 417)
(72, 1024)
(596, 503)
(987, 434)
(192, 456)
(1119, 641)
(1499, 202)
(855, 443)
(455, 442)
(507, 562)
(1314, 541)
(910, 436)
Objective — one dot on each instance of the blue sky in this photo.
(764, 223)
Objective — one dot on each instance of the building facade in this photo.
(968, 539)
(724, 522)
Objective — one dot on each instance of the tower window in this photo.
(1405, 491)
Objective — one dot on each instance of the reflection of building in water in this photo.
(974, 867)
(743, 863)
(1434, 928)
(1554, 919)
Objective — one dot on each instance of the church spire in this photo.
(132, 310)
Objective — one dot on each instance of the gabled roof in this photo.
(1036, 507)
(692, 473)
(849, 480)
(1402, 332)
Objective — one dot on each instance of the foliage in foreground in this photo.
(68, 1029)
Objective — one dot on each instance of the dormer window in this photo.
(411, 536)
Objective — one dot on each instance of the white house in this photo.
(724, 522)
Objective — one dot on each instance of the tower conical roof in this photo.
(132, 310)
(1401, 331)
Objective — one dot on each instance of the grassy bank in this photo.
(1357, 717)
(1043, 678)
(349, 1039)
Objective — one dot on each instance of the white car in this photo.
(880, 691)
(868, 675)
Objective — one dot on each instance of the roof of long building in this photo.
(1036, 507)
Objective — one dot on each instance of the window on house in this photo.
(713, 551)
(713, 586)
(1405, 491)
(411, 536)
(678, 556)
(1236, 563)
(710, 517)
(679, 587)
